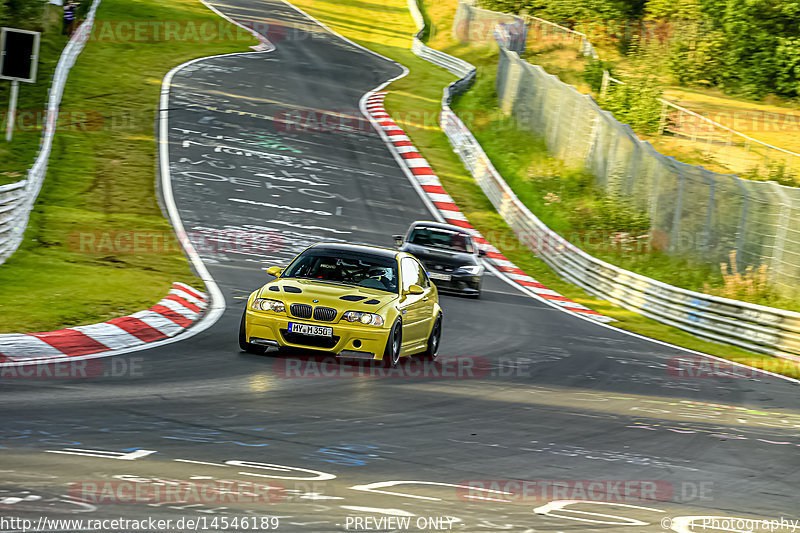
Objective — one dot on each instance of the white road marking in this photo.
(103, 454)
(559, 505)
(381, 510)
(375, 487)
(199, 462)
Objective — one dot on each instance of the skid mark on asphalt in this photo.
(633, 406)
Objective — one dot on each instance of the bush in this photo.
(636, 103)
(593, 73)
(24, 14)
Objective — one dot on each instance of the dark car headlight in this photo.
(475, 270)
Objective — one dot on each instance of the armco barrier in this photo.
(17, 199)
(757, 328)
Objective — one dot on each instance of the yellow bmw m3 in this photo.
(356, 301)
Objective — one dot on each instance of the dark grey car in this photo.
(449, 254)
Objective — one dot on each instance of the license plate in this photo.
(308, 329)
(440, 277)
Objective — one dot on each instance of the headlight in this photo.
(471, 269)
(262, 304)
(370, 319)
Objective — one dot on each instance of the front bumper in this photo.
(467, 284)
(349, 340)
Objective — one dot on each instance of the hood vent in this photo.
(352, 298)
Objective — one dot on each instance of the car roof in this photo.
(357, 248)
(441, 225)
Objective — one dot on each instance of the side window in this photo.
(411, 272)
(423, 277)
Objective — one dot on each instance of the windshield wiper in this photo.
(446, 249)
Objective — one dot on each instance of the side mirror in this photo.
(398, 240)
(482, 253)
(274, 271)
(415, 289)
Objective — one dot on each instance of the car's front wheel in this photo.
(391, 354)
(435, 338)
(243, 344)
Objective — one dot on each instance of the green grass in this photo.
(419, 95)
(103, 179)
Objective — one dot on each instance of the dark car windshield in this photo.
(349, 268)
(446, 239)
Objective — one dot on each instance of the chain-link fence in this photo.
(702, 215)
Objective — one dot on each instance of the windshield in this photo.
(445, 239)
(363, 270)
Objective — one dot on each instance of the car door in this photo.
(412, 306)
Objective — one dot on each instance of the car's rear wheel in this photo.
(435, 338)
(243, 344)
(391, 355)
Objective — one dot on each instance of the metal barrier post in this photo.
(676, 217)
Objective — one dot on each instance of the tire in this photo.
(435, 338)
(243, 344)
(391, 355)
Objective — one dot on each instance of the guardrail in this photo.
(17, 199)
(753, 327)
(454, 65)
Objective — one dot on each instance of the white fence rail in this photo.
(757, 328)
(544, 29)
(17, 199)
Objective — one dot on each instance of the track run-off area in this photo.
(532, 419)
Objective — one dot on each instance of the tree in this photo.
(750, 46)
(674, 10)
(761, 46)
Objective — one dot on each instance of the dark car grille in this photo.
(301, 310)
(439, 268)
(309, 340)
(324, 314)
